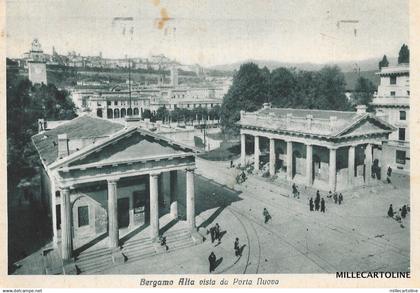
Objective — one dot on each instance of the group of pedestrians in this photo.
(403, 211)
(217, 235)
(317, 204)
(338, 198)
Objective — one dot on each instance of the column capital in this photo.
(190, 169)
(333, 148)
(309, 144)
(155, 174)
(112, 180)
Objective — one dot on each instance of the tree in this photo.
(384, 62)
(162, 113)
(283, 85)
(147, 114)
(248, 92)
(404, 54)
(26, 103)
(331, 89)
(363, 93)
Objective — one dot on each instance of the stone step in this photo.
(93, 254)
(95, 264)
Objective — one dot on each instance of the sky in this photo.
(212, 32)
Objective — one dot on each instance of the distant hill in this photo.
(349, 66)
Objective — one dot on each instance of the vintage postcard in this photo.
(212, 144)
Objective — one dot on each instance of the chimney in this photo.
(41, 125)
(266, 105)
(361, 109)
(63, 146)
(333, 122)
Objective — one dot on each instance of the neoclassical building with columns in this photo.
(103, 178)
(328, 150)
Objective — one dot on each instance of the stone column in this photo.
(173, 193)
(309, 167)
(113, 233)
(66, 237)
(243, 153)
(190, 199)
(272, 157)
(54, 213)
(368, 163)
(256, 152)
(289, 160)
(333, 171)
(154, 207)
(351, 156)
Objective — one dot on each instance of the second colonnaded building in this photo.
(329, 150)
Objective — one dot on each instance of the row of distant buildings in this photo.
(74, 59)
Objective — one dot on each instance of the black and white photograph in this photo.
(211, 137)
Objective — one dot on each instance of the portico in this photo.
(330, 150)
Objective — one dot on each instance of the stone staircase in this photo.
(137, 249)
(91, 262)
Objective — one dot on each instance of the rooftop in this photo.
(83, 127)
(399, 69)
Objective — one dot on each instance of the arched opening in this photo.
(110, 114)
(136, 111)
(116, 113)
(123, 112)
(99, 112)
(129, 112)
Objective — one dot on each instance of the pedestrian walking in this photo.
(311, 205)
(295, 191)
(231, 163)
(217, 233)
(236, 247)
(390, 211)
(212, 261)
(404, 211)
(329, 194)
(266, 215)
(335, 196)
(340, 198)
(322, 205)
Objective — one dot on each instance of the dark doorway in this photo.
(123, 212)
(99, 113)
(316, 165)
(58, 216)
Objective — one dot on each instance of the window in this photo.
(115, 103)
(400, 157)
(403, 115)
(408, 93)
(393, 80)
(401, 133)
(108, 103)
(83, 215)
(393, 93)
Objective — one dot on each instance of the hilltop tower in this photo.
(37, 67)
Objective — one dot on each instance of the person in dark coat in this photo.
(311, 205)
(236, 247)
(390, 211)
(323, 205)
(404, 211)
(340, 198)
(212, 261)
(212, 234)
(335, 196)
(317, 200)
(217, 232)
(266, 215)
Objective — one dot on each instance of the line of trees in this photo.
(26, 103)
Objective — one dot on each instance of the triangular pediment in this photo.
(128, 146)
(367, 126)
